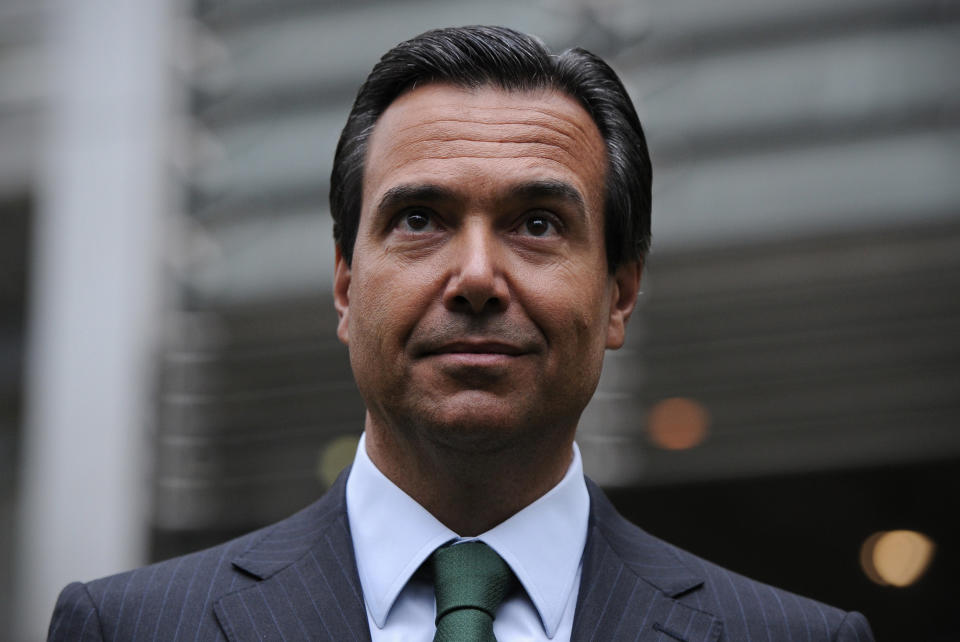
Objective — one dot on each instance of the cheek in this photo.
(392, 301)
(574, 303)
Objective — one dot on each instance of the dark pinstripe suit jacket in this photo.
(297, 580)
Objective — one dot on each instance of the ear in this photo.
(341, 296)
(626, 287)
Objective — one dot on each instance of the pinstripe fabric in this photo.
(636, 587)
(297, 580)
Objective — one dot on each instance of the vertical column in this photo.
(103, 191)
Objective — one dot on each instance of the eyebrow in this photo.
(530, 191)
(403, 194)
(550, 189)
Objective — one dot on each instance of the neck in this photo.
(469, 488)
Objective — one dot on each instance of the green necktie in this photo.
(469, 580)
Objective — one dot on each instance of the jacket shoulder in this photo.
(165, 600)
(173, 599)
(75, 617)
(747, 608)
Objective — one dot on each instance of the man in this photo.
(492, 208)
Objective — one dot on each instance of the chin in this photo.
(518, 430)
(477, 427)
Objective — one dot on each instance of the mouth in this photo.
(478, 347)
(487, 356)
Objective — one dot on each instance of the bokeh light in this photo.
(336, 455)
(678, 423)
(896, 558)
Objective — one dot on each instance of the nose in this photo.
(477, 283)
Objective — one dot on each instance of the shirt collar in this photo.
(543, 543)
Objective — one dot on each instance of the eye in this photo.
(539, 225)
(417, 220)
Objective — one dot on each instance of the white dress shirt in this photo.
(393, 535)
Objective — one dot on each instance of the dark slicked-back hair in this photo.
(473, 57)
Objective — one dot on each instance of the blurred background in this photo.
(169, 374)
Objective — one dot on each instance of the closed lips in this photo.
(483, 347)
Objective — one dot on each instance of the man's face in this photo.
(478, 304)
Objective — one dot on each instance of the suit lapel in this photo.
(308, 586)
(632, 586)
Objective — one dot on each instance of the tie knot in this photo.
(469, 576)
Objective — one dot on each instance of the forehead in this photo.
(443, 132)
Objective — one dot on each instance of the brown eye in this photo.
(416, 221)
(538, 226)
